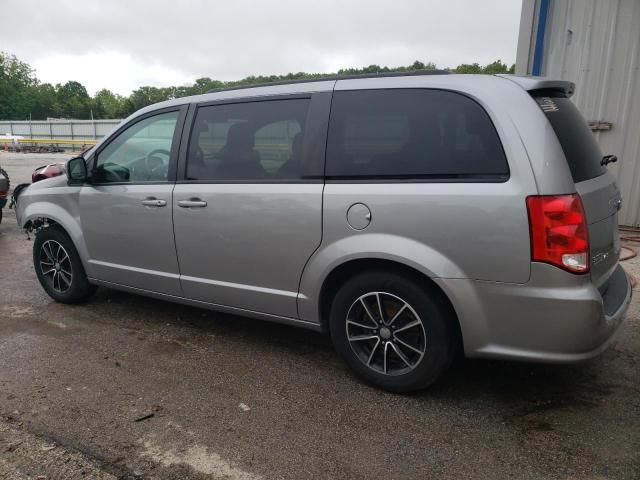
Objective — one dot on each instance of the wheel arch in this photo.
(348, 269)
(50, 215)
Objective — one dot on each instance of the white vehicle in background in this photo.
(8, 139)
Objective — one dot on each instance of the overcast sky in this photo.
(123, 44)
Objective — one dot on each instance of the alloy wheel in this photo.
(55, 265)
(386, 333)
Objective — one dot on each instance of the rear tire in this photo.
(409, 347)
(59, 268)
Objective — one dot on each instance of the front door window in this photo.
(140, 154)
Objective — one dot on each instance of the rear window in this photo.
(412, 133)
(578, 143)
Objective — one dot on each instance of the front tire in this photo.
(394, 333)
(59, 268)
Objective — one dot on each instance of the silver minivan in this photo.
(410, 216)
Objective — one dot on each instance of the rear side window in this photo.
(245, 142)
(411, 133)
(578, 143)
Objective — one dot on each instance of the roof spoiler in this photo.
(530, 83)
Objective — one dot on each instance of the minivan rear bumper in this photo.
(555, 317)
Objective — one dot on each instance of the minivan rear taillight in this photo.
(558, 230)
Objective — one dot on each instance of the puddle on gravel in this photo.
(540, 416)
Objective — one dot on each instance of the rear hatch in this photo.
(600, 195)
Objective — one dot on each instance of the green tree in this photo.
(468, 68)
(203, 85)
(16, 88)
(45, 102)
(495, 67)
(74, 100)
(109, 105)
(21, 95)
(144, 96)
(371, 69)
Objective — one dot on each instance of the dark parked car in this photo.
(4, 190)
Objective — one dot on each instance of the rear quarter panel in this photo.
(465, 230)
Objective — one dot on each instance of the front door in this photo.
(126, 211)
(248, 212)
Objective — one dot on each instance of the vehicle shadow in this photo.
(539, 386)
(156, 313)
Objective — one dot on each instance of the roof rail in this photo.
(335, 77)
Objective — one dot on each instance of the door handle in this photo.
(154, 202)
(193, 203)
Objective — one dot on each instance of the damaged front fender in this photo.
(45, 207)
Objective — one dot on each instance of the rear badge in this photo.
(600, 257)
(547, 105)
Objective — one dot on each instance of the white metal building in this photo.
(595, 44)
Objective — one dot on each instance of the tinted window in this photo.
(412, 134)
(141, 153)
(248, 141)
(578, 143)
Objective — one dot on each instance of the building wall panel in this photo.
(596, 44)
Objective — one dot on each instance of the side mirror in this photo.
(77, 171)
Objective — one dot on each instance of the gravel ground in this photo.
(230, 397)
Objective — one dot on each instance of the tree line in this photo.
(24, 97)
